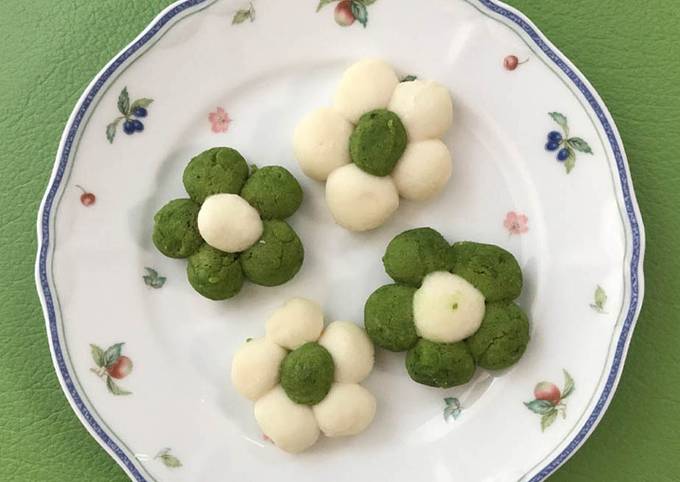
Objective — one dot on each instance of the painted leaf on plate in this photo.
(568, 385)
(548, 419)
(560, 119)
(359, 11)
(114, 388)
(97, 355)
(124, 102)
(580, 145)
(143, 102)
(540, 407)
(112, 354)
(323, 3)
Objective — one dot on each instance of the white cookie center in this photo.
(447, 308)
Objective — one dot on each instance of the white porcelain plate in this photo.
(242, 74)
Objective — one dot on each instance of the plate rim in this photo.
(510, 16)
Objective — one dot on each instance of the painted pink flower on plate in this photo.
(219, 120)
(516, 223)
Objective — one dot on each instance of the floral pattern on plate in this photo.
(599, 299)
(347, 11)
(516, 223)
(549, 400)
(131, 112)
(168, 459)
(565, 146)
(453, 409)
(152, 279)
(111, 364)
(243, 14)
(219, 120)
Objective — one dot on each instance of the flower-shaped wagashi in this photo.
(233, 226)
(451, 307)
(379, 141)
(303, 379)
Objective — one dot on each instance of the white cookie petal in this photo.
(423, 170)
(347, 410)
(321, 142)
(366, 85)
(295, 323)
(424, 108)
(360, 201)
(447, 308)
(255, 367)
(228, 223)
(292, 427)
(352, 351)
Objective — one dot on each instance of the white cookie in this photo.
(228, 223)
(295, 323)
(366, 85)
(347, 410)
(292, 427)
(321, 142)
(424, 108)
(360, 201)
(255, 367)
(352, 351)
(447, 308)
(423, 170)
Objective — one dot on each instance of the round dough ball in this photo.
(502, 338)
(440, 365)
(366, 85)
(227, 222)
(307, 374)
(276, 257)
(359, 201)
(388, 317)
(347, 410)
(175, 231)
(214, 274)
(414, 253)
(321, 143)
(377, 142)
(295, 323)
(424, 108)
(491, 269)
(217, 170)
(255, 367)
(447, 308)
(292, 427)
(351, 349)
(423, 170)
(273, 191)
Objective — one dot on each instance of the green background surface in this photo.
(51, 49)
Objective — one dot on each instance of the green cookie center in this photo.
(307, 374)
(377, 142)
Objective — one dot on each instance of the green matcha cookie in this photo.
(502, 338)
(274, 192)
(276, 257)
(175, 232)
(307, 374)
(388, 317)
(215, 274)
(491, 269)
(441, 365)
(377, 142)
(414, 253)
(217, 170)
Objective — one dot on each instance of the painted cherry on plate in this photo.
(120, 368)
(86, 198)
(511, 62)
(343, 13)
(547, 391)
